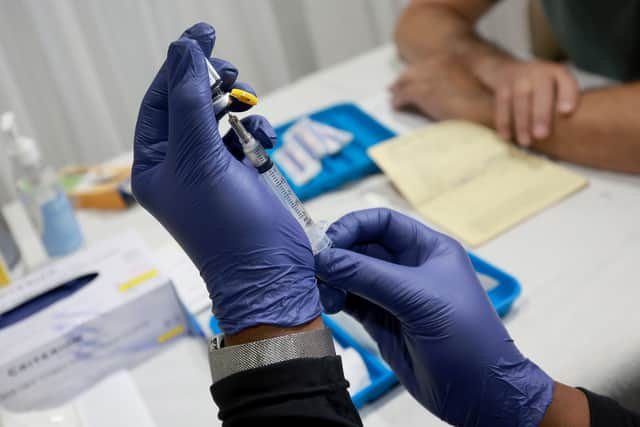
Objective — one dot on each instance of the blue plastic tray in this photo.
(507, 290)
(352, 162)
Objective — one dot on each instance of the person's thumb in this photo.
(193, 129)
(380, 282)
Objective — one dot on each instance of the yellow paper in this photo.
(463, 178)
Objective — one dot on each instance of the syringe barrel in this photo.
(280, 187)
(283, 191)
(257, 155)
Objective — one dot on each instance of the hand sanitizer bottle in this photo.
(44, 199)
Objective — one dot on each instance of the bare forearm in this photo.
(569, 408)
(262, 332)
(429, 27)
(604, 132)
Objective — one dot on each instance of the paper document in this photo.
(463, 178)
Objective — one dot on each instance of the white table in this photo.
(578, 315)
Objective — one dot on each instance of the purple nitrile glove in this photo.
(416, 293)
(253, 255)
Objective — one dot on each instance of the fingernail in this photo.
(540, 131)
(566, 106)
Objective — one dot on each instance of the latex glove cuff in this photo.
(516, 391)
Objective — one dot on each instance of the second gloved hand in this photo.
(416, 293)
(252, 254)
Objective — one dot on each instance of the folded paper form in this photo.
(463, 178)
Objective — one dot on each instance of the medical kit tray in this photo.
(507, 288)
(352, 162)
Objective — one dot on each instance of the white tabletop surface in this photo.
(577, 261)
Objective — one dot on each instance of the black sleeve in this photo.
(605, 412)
(305, 392)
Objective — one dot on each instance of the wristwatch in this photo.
(226, 361)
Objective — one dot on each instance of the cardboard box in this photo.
(127, 313)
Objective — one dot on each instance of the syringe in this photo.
(279, 186)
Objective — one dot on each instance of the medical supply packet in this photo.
(304, 146)
(352, 162)
(125, 314)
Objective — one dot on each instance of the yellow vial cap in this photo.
(244, 96)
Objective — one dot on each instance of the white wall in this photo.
(507, 25)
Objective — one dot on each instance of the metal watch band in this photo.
(225, 361)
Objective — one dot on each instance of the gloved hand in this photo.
(416, 293)
(253, 255)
